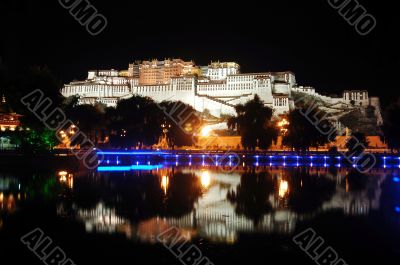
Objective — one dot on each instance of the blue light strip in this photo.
(128, 168)
(132, 153)
(102, 169)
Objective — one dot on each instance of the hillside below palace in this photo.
(218, 87)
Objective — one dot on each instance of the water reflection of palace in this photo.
(236, 202)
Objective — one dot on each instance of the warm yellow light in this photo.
(283, 188)
(70, 181)
(1, 197)
(283, 122)
(63, 173)
(164, 183)
(206, 131)
(205, 179)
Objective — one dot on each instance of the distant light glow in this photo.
(205, 179)
(397, 209)
(283, 188)
(396, 179)
(164, 183)
(206, 131)
(63, 173)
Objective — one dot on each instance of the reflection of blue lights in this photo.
(128, 168)
(113, 168)
(397, 209)
(396, 179)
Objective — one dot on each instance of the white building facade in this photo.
(358, 97)
(218, 89)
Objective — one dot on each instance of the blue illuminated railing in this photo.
(142, 159)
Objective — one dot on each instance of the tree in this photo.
(35, 141)
(303, 133)
(356, 181)
(251, 197)
(26, 82)
(88, 119)
(253, 122)
(180, 133)
(309, 191)
(135, 122)
(391, 127)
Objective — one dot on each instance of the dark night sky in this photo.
(307, 37)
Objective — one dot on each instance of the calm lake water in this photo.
(233, 215)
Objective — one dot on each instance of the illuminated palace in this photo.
(218, 87)
(9, 120)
